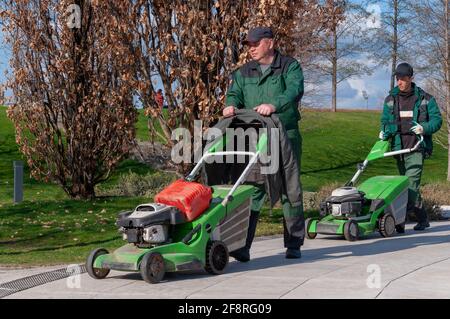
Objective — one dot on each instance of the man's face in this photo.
(404, 83)
(259, 50)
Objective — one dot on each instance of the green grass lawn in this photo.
(52, 232)
(36, 191)
(142, 132)
(50, 228)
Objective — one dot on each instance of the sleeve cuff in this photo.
(426, 129)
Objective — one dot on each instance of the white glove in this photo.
(417, 129)
(383, 136)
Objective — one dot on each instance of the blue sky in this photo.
(4, 57)
(349, 92)
(377, 85)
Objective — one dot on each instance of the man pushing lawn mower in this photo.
(407, 111)
(193, 226)
(380, 203)
(271, 84)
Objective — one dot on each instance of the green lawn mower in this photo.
(164, 238)
(378, 204)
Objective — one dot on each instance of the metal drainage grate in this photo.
(25, 283)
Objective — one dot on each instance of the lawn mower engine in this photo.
(344, 202)
(148, 224)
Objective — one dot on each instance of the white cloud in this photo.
(374, 21)
(371, 22)
(350, 92)
(376, 86)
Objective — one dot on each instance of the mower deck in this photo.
(181, 255)
(384, 194)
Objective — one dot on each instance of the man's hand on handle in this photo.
(229, 111)
(417, 128)
(382, 136)
(265, 109)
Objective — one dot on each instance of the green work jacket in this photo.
(280, 85)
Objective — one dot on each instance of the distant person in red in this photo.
(159, 98)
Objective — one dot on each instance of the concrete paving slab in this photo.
(431, 281)
(411, 265)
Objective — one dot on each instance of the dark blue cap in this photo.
(258, 33)
(404, 69)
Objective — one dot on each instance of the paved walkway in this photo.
(412, 265)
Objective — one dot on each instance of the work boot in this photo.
(422, 219)
(400, 228)
(242, 255)
(293, 253)
(421, 226)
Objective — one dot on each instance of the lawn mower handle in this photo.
(229, 197)
(406, 151)
(362, 167)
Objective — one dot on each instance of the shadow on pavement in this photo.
(347, 249)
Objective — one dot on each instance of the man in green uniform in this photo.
(409, 111)
(270, 83)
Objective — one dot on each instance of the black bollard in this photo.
(18, 182)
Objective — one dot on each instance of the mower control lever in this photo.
(191, 234)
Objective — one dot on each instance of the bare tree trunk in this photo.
(334, 63)
(448, 140)
(447, 79)
(394, 43)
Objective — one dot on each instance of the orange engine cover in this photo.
(190, 198)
